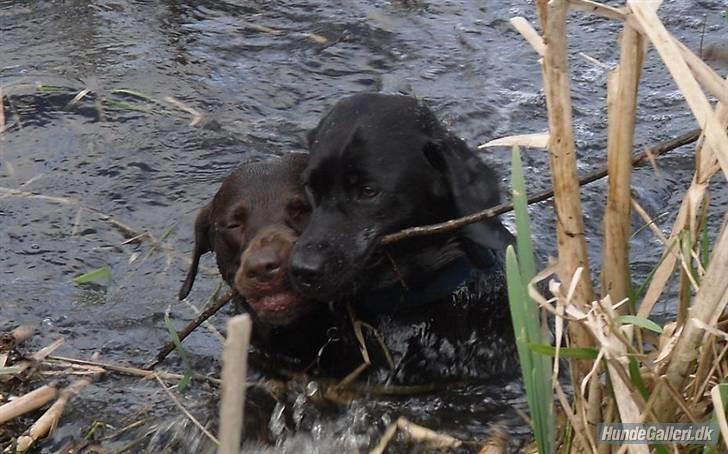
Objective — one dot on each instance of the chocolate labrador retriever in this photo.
(380, 163)
(251, 225)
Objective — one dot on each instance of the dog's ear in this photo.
(202, 244)
(473, 187)
(311, 136)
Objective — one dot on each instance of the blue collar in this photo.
(397, 296)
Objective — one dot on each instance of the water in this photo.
(261, 73)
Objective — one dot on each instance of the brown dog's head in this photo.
(251, 225)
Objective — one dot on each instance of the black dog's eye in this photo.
(233, 226)
(367, 192)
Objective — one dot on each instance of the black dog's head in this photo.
(381, 163)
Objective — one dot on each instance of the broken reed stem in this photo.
(132, 371)
(673, 58)
(622, 104)
(562, 157)
(709, 302)
(419, 434)
(642, 158)
(234, 372)
(705, 162)
(191, 326)
(497, 442)
(27, 403)
(9, 341)
(49, 420)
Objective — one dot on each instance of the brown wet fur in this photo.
(251, 225)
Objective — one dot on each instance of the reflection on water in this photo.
(260, 74)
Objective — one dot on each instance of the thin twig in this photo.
(185, 411)
(454, 224)
(131, 371)
(184, 332)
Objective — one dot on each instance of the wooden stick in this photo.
(454, 224)
(232, 395)
(184, 332)
(27, 403)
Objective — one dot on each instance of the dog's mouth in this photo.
(278, 308)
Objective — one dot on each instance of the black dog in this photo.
(380, 163)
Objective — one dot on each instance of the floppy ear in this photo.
(474, 187)
(202, 245)
(311, 136)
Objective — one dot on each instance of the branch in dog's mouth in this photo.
(454, 224)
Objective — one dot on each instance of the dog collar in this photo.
(399, 297)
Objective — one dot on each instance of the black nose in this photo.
(306, 269)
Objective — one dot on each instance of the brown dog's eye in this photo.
(297, 209)
(368, 192)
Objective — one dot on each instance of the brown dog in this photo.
(251, 224)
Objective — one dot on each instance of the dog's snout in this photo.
(262, 266)
(308, 267)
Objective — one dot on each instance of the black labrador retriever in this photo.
(251, 225)
(380, 163)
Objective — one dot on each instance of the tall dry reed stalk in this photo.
(677, 378)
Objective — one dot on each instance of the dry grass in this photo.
(672, 377)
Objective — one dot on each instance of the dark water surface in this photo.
(261, 73)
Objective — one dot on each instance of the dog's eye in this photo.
(368, 192)
(233, 226)
(297, 208)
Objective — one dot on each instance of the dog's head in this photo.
(251, 225)
(381, 163)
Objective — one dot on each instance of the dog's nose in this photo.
(262, 267)
(306, 270)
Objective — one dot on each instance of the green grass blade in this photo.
(536, 370)
(565, 352)
(705, 244)
(636, 378)
(642, 322)
(523, 223)
(527, 324)
(134, 93)
(181, 352)
(686, 244)
(100, 276)
(43, 88)
(123, 105)
(637, 295)
(12, 370)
